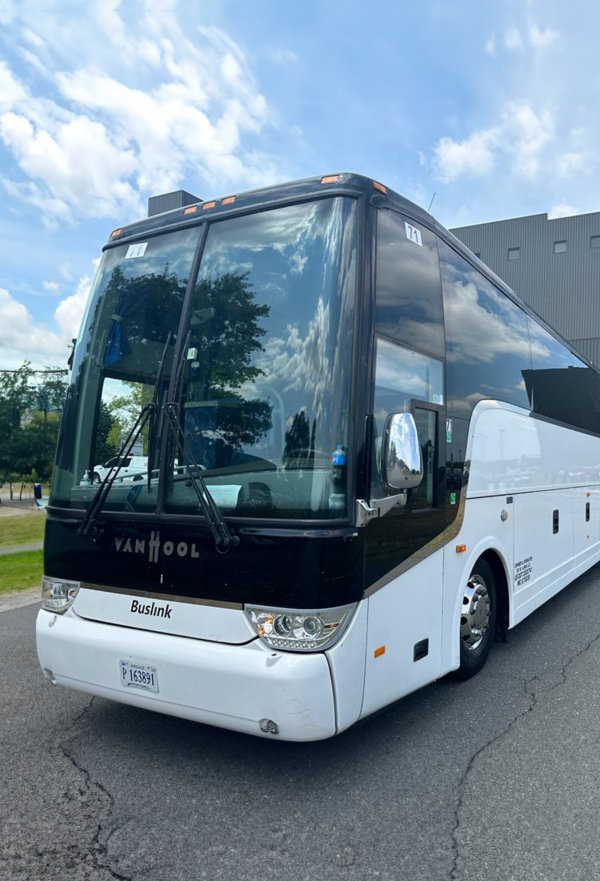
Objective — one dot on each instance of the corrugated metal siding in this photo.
(563, 288)
(588, 347)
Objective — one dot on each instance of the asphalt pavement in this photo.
(494, 778)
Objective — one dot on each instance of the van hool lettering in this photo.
(154, 547)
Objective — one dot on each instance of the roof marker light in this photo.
(191, 209)
(115, 232)
(206, 205)
(330, 179)
(380, 187)
(228, 200)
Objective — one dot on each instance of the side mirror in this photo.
(402, 466)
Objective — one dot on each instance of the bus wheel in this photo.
(477, 620)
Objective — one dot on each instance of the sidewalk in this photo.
(20, 598)
(16, 549)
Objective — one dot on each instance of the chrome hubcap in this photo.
(475, 613)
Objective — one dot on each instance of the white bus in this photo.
(363, 459)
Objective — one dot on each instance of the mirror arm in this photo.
(367, 511)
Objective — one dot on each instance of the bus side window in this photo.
(408, 290)
(401, 375)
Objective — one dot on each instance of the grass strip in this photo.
(22, 528)
(21, 571)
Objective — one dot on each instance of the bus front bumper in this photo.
(245, 688)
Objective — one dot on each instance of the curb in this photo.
(20, 598)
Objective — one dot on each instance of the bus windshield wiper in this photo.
(152, 428)
(218, 527)
(88, 525)
(147, 413)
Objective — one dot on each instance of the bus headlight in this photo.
(58, 594)
(300, 630)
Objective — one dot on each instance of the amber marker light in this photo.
(228, 200)
(588, 495)
(379, 651)
(206, 205)
(460, 549)
(114, 233)
(191, 210)
(330, 179)
(380, 187)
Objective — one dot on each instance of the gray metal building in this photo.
(554, 265)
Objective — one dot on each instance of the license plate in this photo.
(142, 676)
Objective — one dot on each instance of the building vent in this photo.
(169, 201)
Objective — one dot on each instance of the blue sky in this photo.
(492, 107)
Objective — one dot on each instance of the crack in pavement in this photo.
(97, 851)
(532, 693)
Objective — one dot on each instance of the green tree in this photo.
(107, 440)
(225, 335)
(15, 398)
(30, 405)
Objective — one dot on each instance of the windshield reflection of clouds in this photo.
(168, 253)
(408, 446)
(408, 294)
(301, 262)
(492, 344)
(412, 374)
(489, 324)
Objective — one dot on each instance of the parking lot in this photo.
(494, 778)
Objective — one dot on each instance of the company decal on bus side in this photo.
(413, 234)
(154, 547)
(523, 570)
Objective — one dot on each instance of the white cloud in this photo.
(513, 40)
(50, 286)
(139, 117)
(562, 211)
(529, 37)
(11, 90)
(473, 156)
(574, 163)
(78, 166)
(70, 311)
(518, 139)
(541, 39)
(25, 339)
(8, 11)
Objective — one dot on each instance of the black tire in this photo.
(477, 620)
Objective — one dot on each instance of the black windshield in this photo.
(263, 392)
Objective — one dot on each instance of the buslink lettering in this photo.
(151, 609)
(154, 547)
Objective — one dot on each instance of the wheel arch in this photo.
(497, 565)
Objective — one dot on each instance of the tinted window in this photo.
(560, 385)
(408, 292)
(265, 384)
(401, 376)
(134, 308)
(486, 337)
